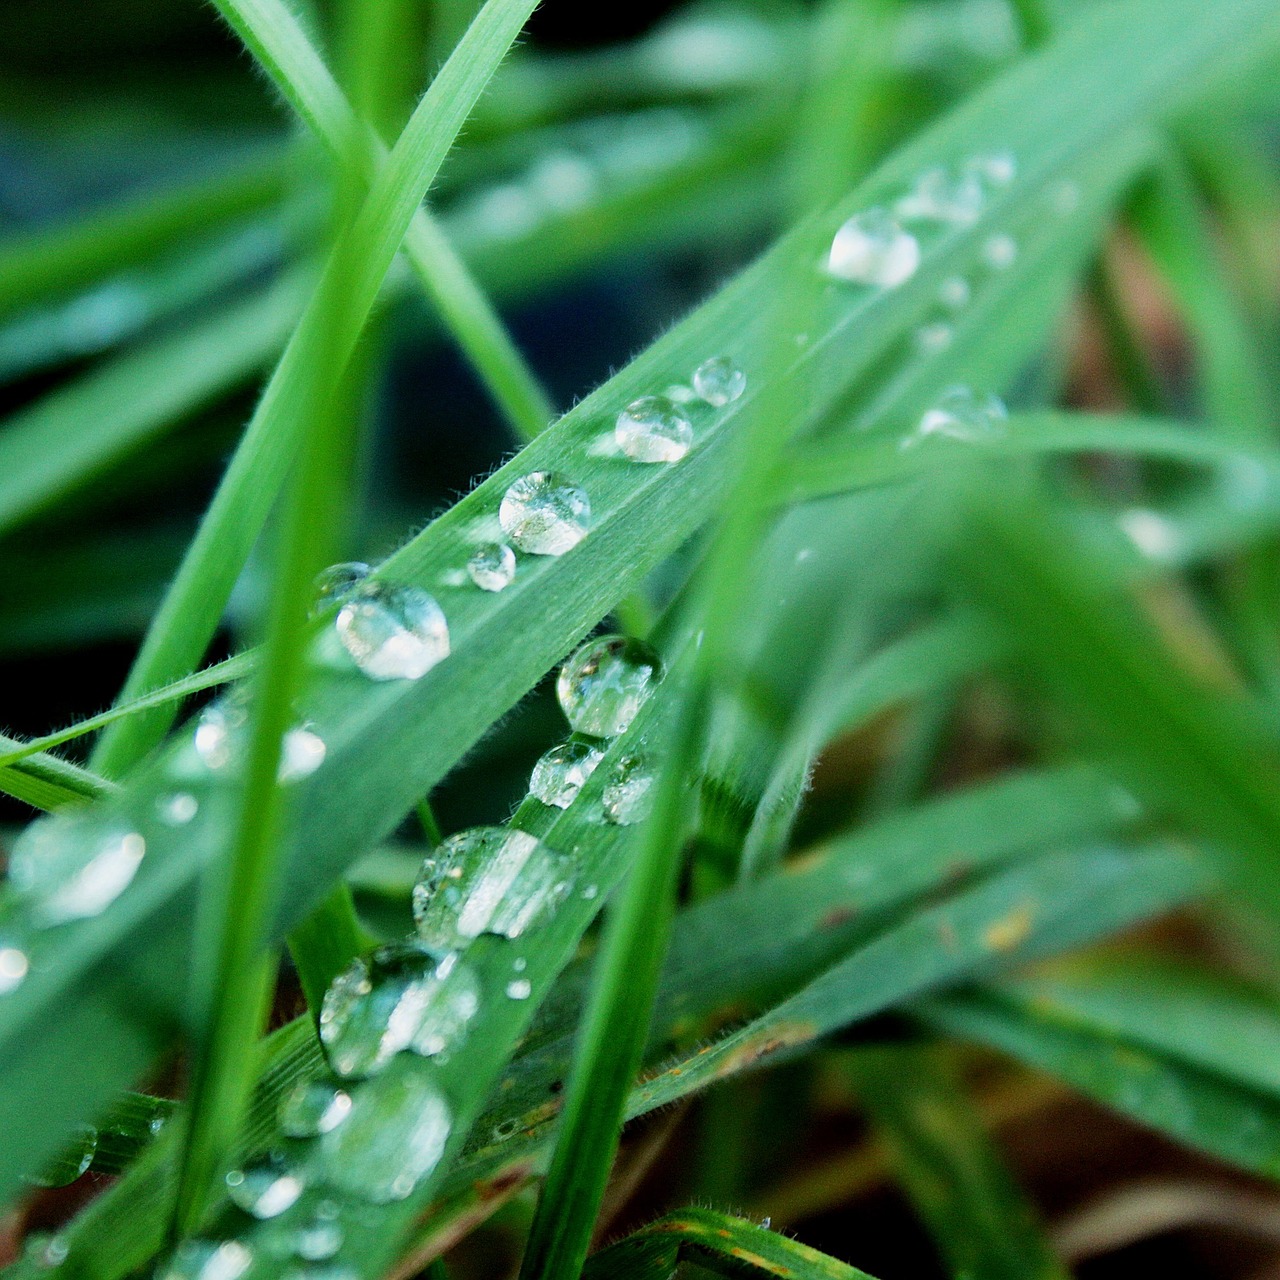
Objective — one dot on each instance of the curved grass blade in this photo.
(724, 1244)
(46, 782)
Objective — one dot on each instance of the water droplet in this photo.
(871, 248)
(954, 293)
(940, 196)
(266, 1186)
(318, 1239)
(337, 582)
(719, 381)
(1153, 535)
(14, 967)
(72, 1161)
(680, 393)
(393, 1139)
(559, 775)
(50, 868)
(402, 996)
(313, 1107)
(934, 338)
(177, 808)
(996, 169)
(602, 685)
(218, 730)
(562, 181)
(492, 566)
(519, 989)
(591, 892)
(207, 1260)
(393, 633)
(519, 964)
(56, 1251)
(544, 514)
(653, 429)
(961, 415)
(487, 880)
(301, 753)
(627, 796)
(1000, 251)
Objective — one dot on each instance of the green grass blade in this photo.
(718, 1241)
(47, 783)
(957, 1181)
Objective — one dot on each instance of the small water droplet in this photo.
(562, 181)
(519, 989)
(313, 1107)
(317, 1239)
(1000, 251)
(519, 964)
(996, 168)
(207, 1260)
(302, 752)
(14, 967)
(1153, 535)
(56, 1251)
(940, 196)
(266, 1186)
(544, 514)
(871, 248)
(954, 293)
(487, 880)
(603, 684)
(766, 1223)
(627, 797)
(337, 582)
(393, 1139)
(960, 414)
(591, 892)
(177, 808)
(559, 775)
(217, 731)
(934, 338)
(72, 1161)
(50, 868)
(653, 429)
(719, 381)
(492, 566)
(393, 633)
(402, 996)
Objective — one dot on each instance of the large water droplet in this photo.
(51, 869)
(940, 196)
(492, 566)
(393, 1139)
(393, 633)
(207, 1260)
(313, 1107)
(266, 1186)
(653, 429)
(14, 967)
(960, 414)
(402, 996)
(221, 734)
(719, 381)
(338, 581)
(72, 1161)
(871, 248)
(603, 685)
(544, 514)
(559, 775)
(487, 880)
(628, 794)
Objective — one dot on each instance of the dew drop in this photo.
(393, 1139)
(653, 429)
(591, 892)
(954, 293)
(14, 967)
(562, 181)
(266, 1186)
(996, 168)
(217, 731)
(602, 685)
(487, 880)
(519, 989)
(544, 514)
(519, 964)
(1000, 251)
(393, 633)
(960, 414)
(177, 808)
(872, 248)
(560, 774)
(492, 566)
(313, 1107)
(51, 870)
(402, 996)
(72, 1161)
(719, 381)
(934, 338)
(337, 582)
(302, 752)
(207, 1260)
(940, 196)
(318, 1239)
(1153, 535)
(627, 797)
